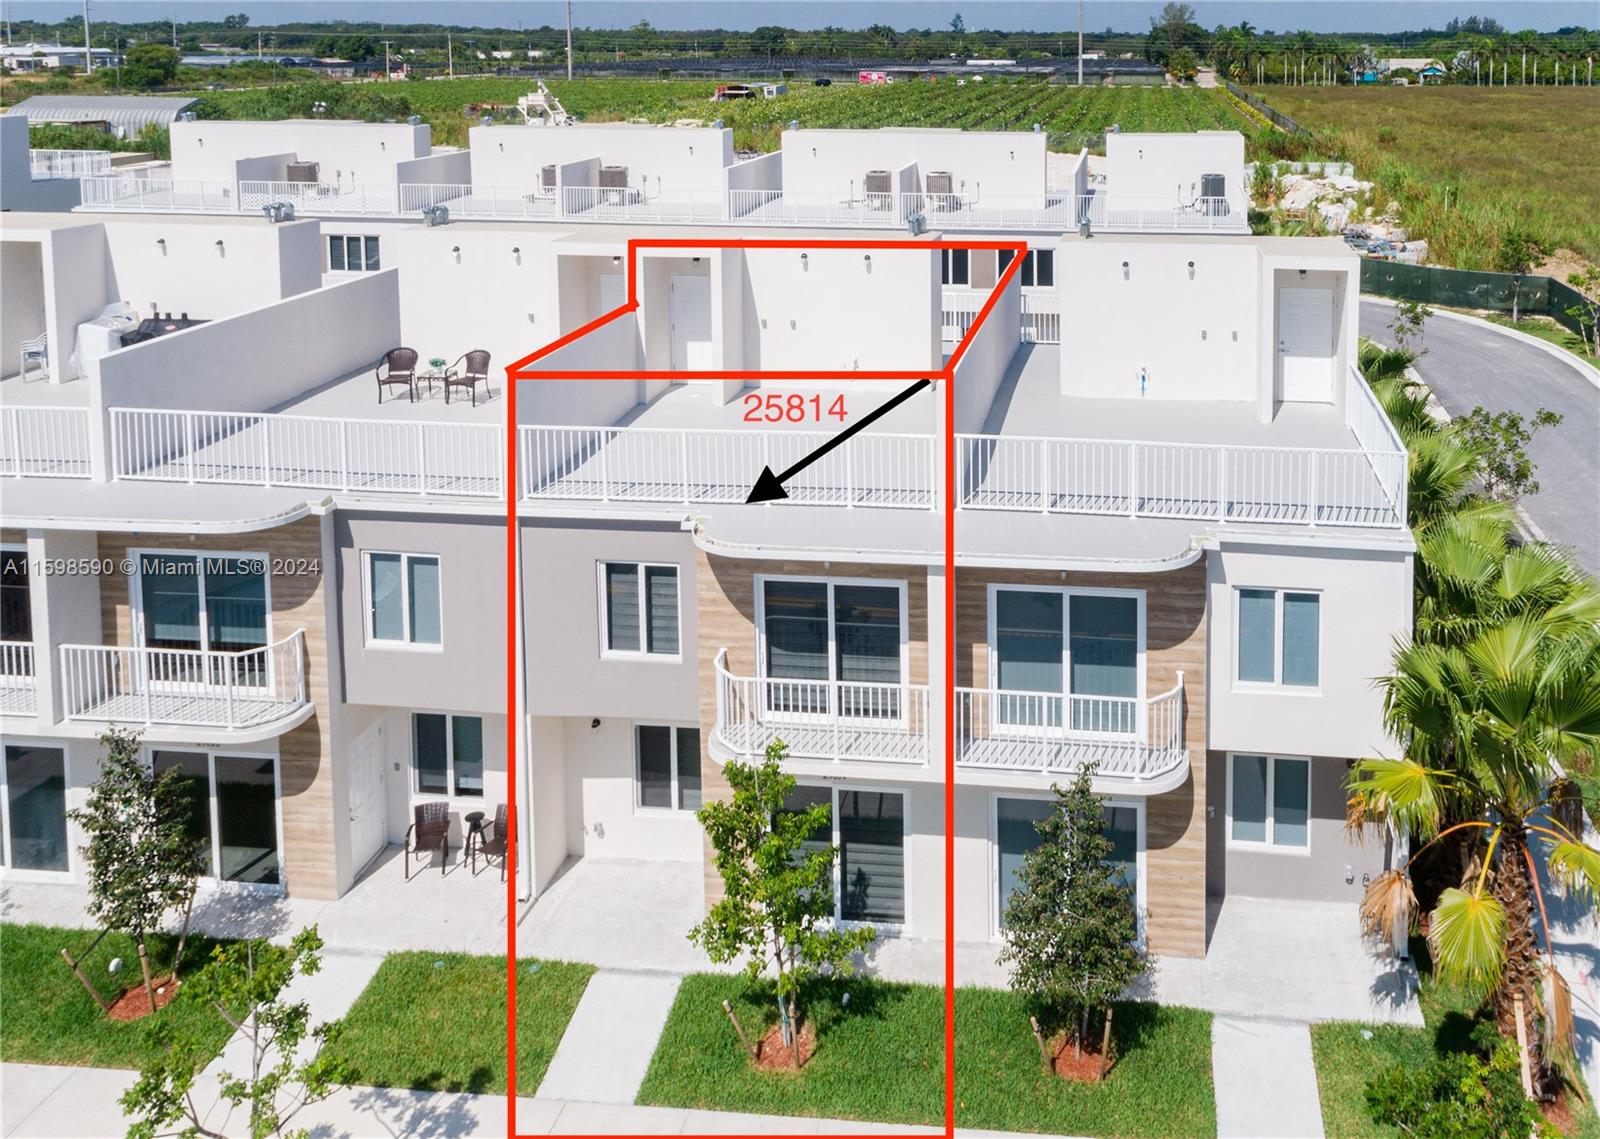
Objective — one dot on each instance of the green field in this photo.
(1073, 116)
(1467, 163)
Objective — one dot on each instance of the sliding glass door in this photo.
(868, 827)
(33, 829)
(210, 610)
(1063, 659)
(1016, 833)
(233, 813)
(833, 649)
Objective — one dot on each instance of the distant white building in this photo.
(35, 56)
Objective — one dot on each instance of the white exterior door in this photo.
(1305, 345)
(368, 833)
(691, 324)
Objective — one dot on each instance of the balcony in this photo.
(826, 721)
(43, 164)
(44, 442)
(16, 679)
(1137, 744)
(155, 195)
(366, 456)
(1041, 314)
(261, 688)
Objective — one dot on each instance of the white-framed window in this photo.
(1067, 657)
(1012, 830)
(447, 754)
(16, 612)
(404, 599)
(212, 609)
(955, 266)
(666, 768)
(842, 643)
(639, 610)
(33, 809)
(234, 812)
(1279, 642)
(868, 825)
(1269, 803)
(353, 253)
(1038, 267)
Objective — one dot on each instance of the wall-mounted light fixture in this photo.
(805, 263)
(516, 254)
(594, 723)
(455, 251)
(220, 252)
(502, 146)
(866, 259)
(1124, 270)
(694, 260)
(615, 261)
(382, 145)
(691, 151)
(1191, 270)
(161, 244)
(1302, 274)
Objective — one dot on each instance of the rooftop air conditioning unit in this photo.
(879, 189)
(613, 185)
(942, 190)
(547, 180)
(1214, 194)
(300, 172)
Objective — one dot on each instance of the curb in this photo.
(1585, 370)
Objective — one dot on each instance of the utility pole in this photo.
(174, 29)
(387, 74)
(88, 48)
(258, 47)
(450, 53)
(1080, 43)
(569, 40)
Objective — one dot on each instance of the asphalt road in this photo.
(1468, 364)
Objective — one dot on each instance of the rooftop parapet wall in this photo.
(347, 153)
(657, 158)
(834, 161)
(1169, 167)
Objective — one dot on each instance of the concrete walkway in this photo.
(328, 996)
(605, 1052)
(1266, 1084)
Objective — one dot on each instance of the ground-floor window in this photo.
(1269, 802)
(667, 767)
(868, 827)
(447, 754)
(33, 827)
(1015, 835)
(233, 812)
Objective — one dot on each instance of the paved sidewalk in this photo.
(1266, 1083)
(606, 1049)
(328, 996)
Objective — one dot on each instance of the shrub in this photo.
(1458, 1096)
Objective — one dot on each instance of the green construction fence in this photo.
(1469, 288)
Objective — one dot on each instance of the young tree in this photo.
(150, 65)
(1587, 311)
(142, 862)
(1501, 440)
(1519, 251)
(777, 903)
(1071, 928)
(244, 975)
(1406, 327)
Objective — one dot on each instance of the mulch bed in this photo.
(1069, 1065)
(135, 1003)
(773, 1055)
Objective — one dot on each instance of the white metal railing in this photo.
(678, 465)
(628, 203)
(184, 686)
(1129, 739)
(1179, 480)
(1041, 314)
(821, 719)
(45, 442)
(1064, 210)
(16, 678)
(465, 200)
(1378, 437)
(68, 163)
(367, 455)
(819, 208)
(320, 197)
(158, 196)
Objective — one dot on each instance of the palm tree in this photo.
(1483, 727)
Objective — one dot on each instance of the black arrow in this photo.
(770, 486)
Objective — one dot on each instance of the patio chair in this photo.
(476, 368)
(492, 843)
(36, 351)
(402, 365)
(430, 831)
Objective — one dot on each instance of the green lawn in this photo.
(1160, 1085)
(881, 1057)
(50, 1019)
(436, 1022)
(1346, 1058)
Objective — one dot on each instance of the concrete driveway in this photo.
(1471, 362)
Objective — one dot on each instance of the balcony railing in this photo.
(233, 690)
(16, 679)
(822, 720)
(818, 208)
(149, 195)
(1065, 211)
(68, 163)
(603, 203)
(467, 201)
(365, 455)
(677, 465)
(1181, 480)
(1131, 741)
(45, 442)
(320, 197)
(1041, 315)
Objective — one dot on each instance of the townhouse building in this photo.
(1180, 544)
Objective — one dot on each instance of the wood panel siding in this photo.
(726, 599)
(1175, 639)
(297, 602)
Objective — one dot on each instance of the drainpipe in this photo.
(521, 729)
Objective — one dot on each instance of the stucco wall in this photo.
(657, 158)
(1167, 167)
(348, 153)
(993, 162)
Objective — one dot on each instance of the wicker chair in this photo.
(492, 844)
(402, 365)
(430, 831)
(476, 368)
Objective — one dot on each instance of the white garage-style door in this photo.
(691, 324)
(1305, 345)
